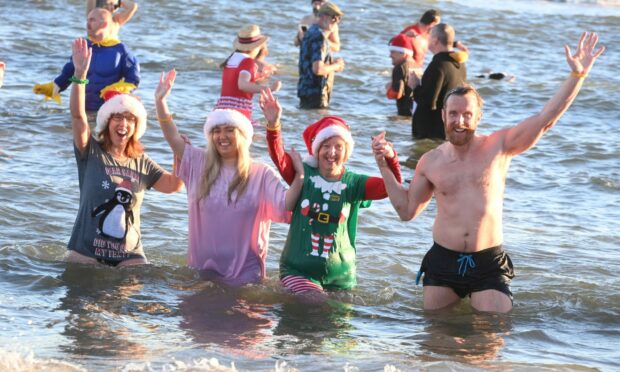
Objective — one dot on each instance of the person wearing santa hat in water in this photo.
(231, 199)
(319, 253)
(401, 53)
(113, 173)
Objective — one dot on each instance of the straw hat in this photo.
(249, 38)
(331, 9)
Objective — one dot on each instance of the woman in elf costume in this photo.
(319, 253)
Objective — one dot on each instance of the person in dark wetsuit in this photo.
(401, 52)
(446, 71)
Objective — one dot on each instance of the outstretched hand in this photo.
(166, 81)
(271, 108)
(81, 55)
(382, 149)
(581, 62)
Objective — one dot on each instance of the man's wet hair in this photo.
(462, 91)
(430, 16)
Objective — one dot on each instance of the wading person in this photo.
(467, 176)
(113, 173)
(319, 253)
(231, 199)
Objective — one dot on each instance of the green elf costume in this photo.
(320, 247)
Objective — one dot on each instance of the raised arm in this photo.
(169, 129)
(292, 194)
(272, 112)
(375, 186)
(128, 9)
(524, 136)
(407, 203)
(81, 55)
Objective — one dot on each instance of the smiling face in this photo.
(461, 116)
(333, 153)
(225, 140)
(121, 127)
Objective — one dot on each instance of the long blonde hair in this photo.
(213, 165)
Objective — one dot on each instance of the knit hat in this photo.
(249, 38)
(331, 9)
(229, 117)
(401, 43)
(118, 104)
(325, 128)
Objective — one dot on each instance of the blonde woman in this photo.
(232, 200)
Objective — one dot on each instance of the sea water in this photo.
(561, 207)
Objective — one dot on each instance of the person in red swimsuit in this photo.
(240, 78)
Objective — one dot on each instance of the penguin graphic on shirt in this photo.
(115, 215)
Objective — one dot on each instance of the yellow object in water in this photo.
(47, 90)
(120, 86)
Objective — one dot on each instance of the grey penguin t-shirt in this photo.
(107, 226)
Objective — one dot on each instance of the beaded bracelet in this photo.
(74, 79)
(579, 75)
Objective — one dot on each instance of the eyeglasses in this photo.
(119, 117)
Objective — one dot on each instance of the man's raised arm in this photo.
(524, 136)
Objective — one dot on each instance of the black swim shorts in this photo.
(465, 273)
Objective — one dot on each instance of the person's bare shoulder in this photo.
(430, 159)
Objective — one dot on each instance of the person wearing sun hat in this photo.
(316, 66)
(309, 20)
(231, 199)
(240, 71)
(319, 253)
(113, 173)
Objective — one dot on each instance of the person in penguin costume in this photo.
(113, 173)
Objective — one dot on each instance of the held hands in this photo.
(81, 55)
(271, 108)
(166, 81)
(581, 62)
(339, 63)
(382, 149)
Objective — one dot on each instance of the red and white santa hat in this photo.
(125, 185)
(401, 43)
(120, 103)
(325, 128)
(230, 117)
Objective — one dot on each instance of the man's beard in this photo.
(460, 139)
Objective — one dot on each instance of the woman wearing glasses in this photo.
(113, 173)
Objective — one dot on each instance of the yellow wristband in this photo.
(579, 75)
(166, 120)
(274, 129)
